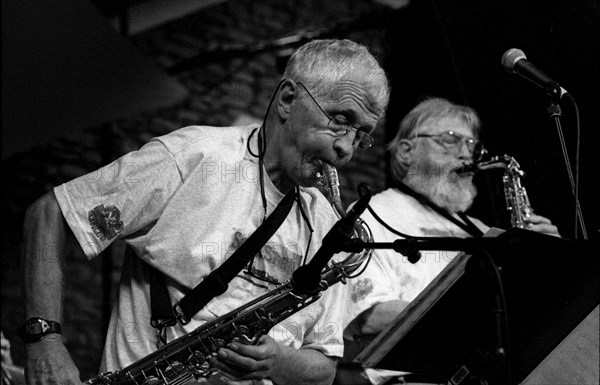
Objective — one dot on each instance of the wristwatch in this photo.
(36, 328)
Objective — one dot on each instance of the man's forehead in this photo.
(447, 123)
(352, 93)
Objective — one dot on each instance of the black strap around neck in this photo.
(217, 281)
(467, 225)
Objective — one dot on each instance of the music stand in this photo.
(449, 330)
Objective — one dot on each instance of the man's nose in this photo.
(344, 146)
(465, 151)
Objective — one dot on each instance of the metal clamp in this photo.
(180, 315)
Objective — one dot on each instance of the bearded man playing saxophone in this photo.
(429, 198)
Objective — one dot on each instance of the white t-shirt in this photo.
(389, 275)
(185, 202)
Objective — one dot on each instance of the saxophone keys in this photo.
(206, 369)
(102, 378)
(197, 357)
(243, 333)
(152, 380)
(174, 369)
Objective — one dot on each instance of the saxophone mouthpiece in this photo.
(467, 168)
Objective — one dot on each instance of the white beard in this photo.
(443, 186)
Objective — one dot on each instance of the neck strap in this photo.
(217, 281)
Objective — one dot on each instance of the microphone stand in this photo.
(555, 112)
(407, 246)
(501, 372)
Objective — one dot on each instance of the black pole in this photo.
(555, 113)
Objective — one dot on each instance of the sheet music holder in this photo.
(448, 332)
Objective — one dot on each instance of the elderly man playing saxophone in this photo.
(187, 200)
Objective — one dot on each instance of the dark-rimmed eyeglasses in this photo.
(454, 141)
(339, 126)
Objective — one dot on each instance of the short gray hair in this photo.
(424, 112)
(321, 64)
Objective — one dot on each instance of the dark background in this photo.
(77, 93)
(457, 55)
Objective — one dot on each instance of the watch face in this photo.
(36, 327)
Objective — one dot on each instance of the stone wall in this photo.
(222, 90)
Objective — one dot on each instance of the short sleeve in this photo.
(119, 199)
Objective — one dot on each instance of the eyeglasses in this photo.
(339, 126)
(453, 141)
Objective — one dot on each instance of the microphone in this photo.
(306, 278)
(515, 61)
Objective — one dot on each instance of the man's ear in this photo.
(405, 151)
(288, 92)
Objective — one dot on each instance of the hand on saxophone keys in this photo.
(541, 224)
(516, 196)
(241, 364)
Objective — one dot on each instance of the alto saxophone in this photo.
(187, 357)
(517, 201)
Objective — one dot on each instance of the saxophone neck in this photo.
(337, 271)
(330, 182)
(505, 162)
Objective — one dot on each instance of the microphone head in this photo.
(511, 57)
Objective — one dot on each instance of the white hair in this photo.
(320, 64)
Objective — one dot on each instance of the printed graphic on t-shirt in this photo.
(274, 263)
(105, 221)
(361, 289)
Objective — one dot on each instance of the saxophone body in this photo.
(517, 201)
(187, 357)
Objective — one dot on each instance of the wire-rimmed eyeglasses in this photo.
(454, 141)
(340, 126)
